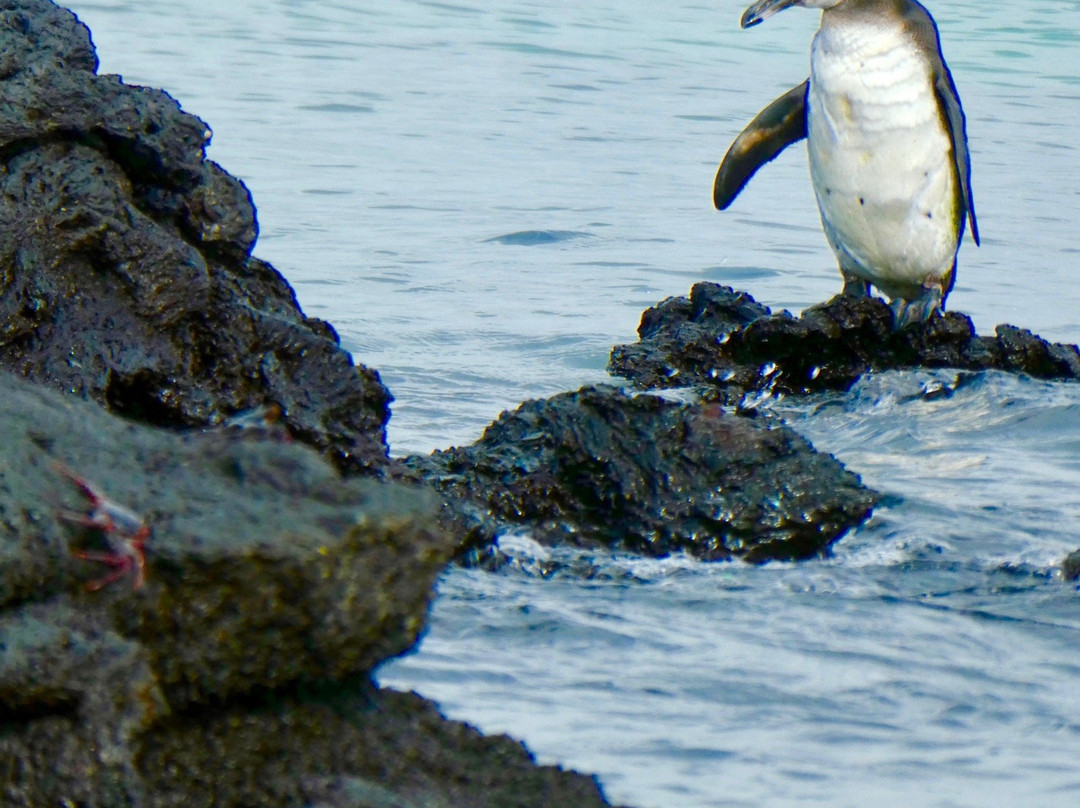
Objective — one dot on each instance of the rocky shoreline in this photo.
(146, 351)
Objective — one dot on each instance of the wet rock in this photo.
(1070, 567)
(600, 467)
(238, 674)
(126, 273)
(725, 341)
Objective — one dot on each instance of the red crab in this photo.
(124, 531)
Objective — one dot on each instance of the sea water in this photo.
(483, 197)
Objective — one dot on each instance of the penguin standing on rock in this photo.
(888, 148)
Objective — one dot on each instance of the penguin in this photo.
(887, 144)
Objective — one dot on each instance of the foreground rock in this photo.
(125, 267)
(602, 468)
(238, 674)
(724, 340)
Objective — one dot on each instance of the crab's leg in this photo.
(112, 559)
(94, 586)
(120, 563)
(88, 491)
(138, 558)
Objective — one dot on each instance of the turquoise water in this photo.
(484, 197)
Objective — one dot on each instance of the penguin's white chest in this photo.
(881, 158)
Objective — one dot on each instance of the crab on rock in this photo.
(125, 532)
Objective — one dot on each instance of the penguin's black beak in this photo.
(763, 9)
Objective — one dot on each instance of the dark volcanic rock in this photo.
(238, 674)
(125, 267)
(388, 750)
(602, 468)
(723, 339)
(1070, 566)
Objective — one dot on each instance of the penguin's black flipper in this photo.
(956, 124)
(775, 128)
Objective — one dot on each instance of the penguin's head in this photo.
(763, 9)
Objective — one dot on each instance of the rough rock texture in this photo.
(396, 749)
(602, 468)
(125, 267)
(724, 340)
(238, 674)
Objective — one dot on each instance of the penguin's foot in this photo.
(855, 286)
(916, 310)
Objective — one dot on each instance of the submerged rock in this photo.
(125, 266)
(603, 468)
(725, 341)
(238, 674)
(1070, 566)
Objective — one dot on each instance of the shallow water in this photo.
(484, 197)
